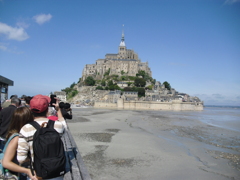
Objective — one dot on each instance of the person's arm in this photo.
(59, 113)
(61, 119)
(8, 159)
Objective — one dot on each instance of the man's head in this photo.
(15, 101)
(39, 105)
(23, 97)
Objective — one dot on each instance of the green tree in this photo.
(141, 73)
(167, 85)
(149, 87)
(135, 89)
(110, 83)
(103, 83)
(111, 87)
(99, 88)
(132, 78)
(73, 93)
(114, 76)
(107, 72)
(141, 92)
(123, 78)
(89, 81)
(153, 81)
(147, 77)
(127, 89)
(67, 90)
(139, 82)
(129, 83)
(122, 72)
(72, 85)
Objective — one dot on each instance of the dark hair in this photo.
(20, 117)
(13, 96)
(61, 105)
(23, 96)
(67, 106)
(42, 114)
(20, 102)
(28, 99)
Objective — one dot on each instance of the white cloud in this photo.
(42, 18)
(17, 33)
(6, 47)
(3, 47)
(231, 1)
(218, 96)
(23, 25)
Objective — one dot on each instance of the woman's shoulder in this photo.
(13, 140)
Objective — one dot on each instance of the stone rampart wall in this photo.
(105, 105)
(175, 105)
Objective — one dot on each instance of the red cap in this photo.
(39, 103)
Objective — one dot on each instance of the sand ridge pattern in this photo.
(140, 145)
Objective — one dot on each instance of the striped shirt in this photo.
(25, 141)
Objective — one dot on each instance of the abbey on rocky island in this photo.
(127, 63)
(125, 60)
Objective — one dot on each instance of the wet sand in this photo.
(153, 145)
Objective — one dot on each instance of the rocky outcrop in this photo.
(88, 95)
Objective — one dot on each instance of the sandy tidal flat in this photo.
(154, 145)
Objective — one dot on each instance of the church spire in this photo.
(122, 43)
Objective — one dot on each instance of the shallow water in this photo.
(224, 117)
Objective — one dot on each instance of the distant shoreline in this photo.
(222, 106)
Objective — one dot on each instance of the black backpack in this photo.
(49, 154)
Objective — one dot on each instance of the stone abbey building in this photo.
(125, 60)
(127, 63)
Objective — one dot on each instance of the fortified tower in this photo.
(125, 61)
(122, 48)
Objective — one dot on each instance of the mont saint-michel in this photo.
(121, 80)
(125, 60)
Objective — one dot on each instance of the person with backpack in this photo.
(42, 139)
(20, 117)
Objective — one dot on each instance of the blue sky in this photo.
(192, 44)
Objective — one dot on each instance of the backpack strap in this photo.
(50, 124)
(8, 141)
(35, 124)
(37, 127)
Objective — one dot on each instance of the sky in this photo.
(192, 44)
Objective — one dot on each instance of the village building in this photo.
(61, 95)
